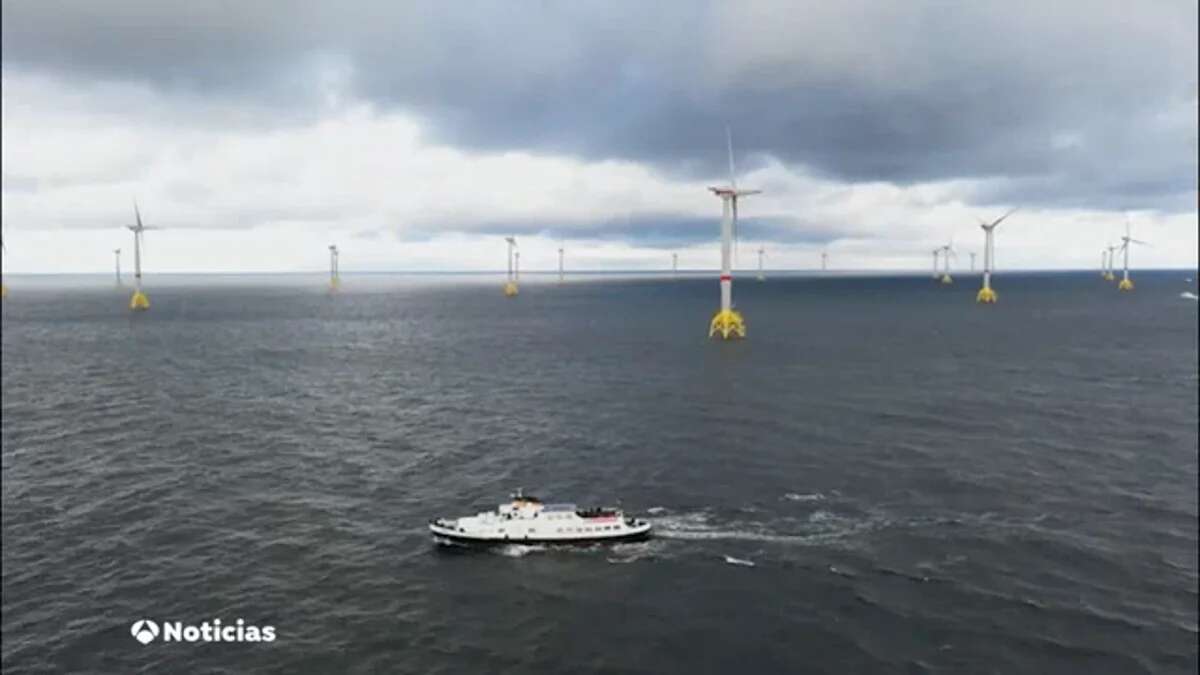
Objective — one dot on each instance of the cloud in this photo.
(875, 129)
(858, 91)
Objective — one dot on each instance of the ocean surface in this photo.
(883, 477)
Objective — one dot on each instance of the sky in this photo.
(417, 135)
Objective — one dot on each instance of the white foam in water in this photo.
(841, 572)
(795, 497)
(623, 554)
(739, 561)
(1189, 296)
(696, 527)
(820, 517)
(654, 510)
(517, 550)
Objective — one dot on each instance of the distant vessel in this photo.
(526, 520)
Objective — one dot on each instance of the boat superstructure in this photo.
(526, 519)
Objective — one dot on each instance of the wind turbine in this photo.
(972, 254)
(117, 253)
(1126, 284)
(986, 295)
(510, 283)
(824, 261)
(761, 253)
(726, 321)
(936, 252)
(517, 266)
(1112, 257)
(138, 302)
(948, 251)
(3, 286)
(674, 265)
(560, 264)
(335, 273)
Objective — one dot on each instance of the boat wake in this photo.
(822, 528)
(623, 554)
(738, 561)
(1189, 296)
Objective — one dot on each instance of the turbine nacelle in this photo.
(732, 192)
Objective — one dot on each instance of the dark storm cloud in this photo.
(661, 230)
(1066, 102)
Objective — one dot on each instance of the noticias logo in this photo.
(146, 631)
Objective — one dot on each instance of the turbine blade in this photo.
(137, 214)
(729, 138)
(1001, 219)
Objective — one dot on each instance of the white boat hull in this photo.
(527, 521)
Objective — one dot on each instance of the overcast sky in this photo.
(417, 135)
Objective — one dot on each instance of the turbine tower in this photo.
(727, 322)
(117, 253)
(138, 302)
(824, 261)
(335, 272)
(986, 295)
(3, 286)
(517, 266)
(1126, 284)
(947, 251)
(936, 252)
(674, 265)
(560, 264)
(761, 253)
(1112, 257)
(510, 283)
(972, 254)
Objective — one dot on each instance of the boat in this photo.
(527, 520)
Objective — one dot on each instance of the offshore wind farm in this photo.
(814, 453)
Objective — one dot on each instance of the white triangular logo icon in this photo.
(144, 630)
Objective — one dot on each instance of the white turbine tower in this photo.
(3, 286)
(674, 265)
(560, 264)
(762, 252)
(517, 266)
(986, 295)
(947, 252)
(972, 254)
(824, 261)
(510, 283)
(138, 302)
(1127, 284)
(1112, 259)
(117, 253)
(726, 321)
(335, 273)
